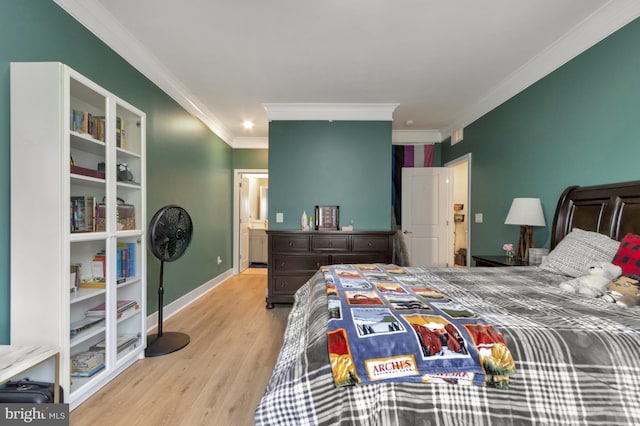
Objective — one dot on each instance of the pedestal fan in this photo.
(170, 232)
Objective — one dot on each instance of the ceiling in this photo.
(445, 63)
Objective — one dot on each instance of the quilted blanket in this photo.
(577, 360)
(385, 324)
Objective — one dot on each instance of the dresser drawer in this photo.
(333, 243)
(288, 284)
(340, 259)
(292, 263)
(287, 243)
(370, 243)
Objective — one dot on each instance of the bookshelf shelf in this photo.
(78, 383)
(129, 281)
(69, 222)
(87, 236)
(86, 180)
(84, 294)
(85, 335)
(86, 143)
(123, 153)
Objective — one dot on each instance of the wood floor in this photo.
(218, 379)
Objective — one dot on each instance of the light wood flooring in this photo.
(218, 379)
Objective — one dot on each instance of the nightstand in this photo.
(482, 260)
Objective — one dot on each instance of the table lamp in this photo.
(526, 212)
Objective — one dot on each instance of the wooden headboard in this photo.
(611, 209)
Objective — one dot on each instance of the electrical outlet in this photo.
(219, 260)
(479, 218)
(279, 217)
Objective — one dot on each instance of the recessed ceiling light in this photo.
(248, 124)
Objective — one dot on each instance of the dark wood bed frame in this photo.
(611, 209)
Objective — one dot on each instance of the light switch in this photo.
(279, 217)
(479, 218)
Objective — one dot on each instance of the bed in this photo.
(577, 358)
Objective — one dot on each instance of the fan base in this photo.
(165, 344)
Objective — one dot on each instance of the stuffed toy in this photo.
(595, 282)
(629, 300)
(625, 291)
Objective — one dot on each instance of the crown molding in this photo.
(250, 143)
(330, 112)
(609, 18)
(102, 24)
(409, 137)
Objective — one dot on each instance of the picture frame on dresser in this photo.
(327, 218)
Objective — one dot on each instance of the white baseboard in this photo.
(184, 301)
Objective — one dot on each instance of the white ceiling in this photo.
(444, 62)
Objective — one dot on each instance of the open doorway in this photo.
(250, 211)
(462, 207)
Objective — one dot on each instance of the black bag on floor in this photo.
(27, 392)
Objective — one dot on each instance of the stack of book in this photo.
(119, 132)
(125, 260)
(86, 364)
(123, 343)
(123, 305)
(83, 210)
(85, 122)
(83, 324)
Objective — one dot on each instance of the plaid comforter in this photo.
(577, 361)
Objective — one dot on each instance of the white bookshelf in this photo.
(43, 242)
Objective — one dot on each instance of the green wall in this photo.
(345, 163)
(579, 125)
(250, 159)
(187, 164)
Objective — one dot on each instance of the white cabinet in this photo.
(68, 136)
(258, 246)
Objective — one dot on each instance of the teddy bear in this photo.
(595, 282)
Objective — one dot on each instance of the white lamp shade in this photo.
(525, 211)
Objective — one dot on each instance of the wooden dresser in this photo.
(294, 256)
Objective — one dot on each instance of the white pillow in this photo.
(578, 251)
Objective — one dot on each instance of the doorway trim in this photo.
(236, 213)
(465, 159)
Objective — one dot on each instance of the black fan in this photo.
(170, 232)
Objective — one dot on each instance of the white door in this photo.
(244, 223)
(427, 212)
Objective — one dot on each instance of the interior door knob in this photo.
(407, 232)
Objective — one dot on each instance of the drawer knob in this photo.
(290, 243)
(370, 244)
(282, 264)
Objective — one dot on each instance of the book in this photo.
(86, 373)
(82, 213)
(125, 260)
(74, 278)
(123, 342)
(83, 324)
(86, 364)
(86, 123)
(87, 360)
(123, 305)
(119, 132)
(92, 284)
